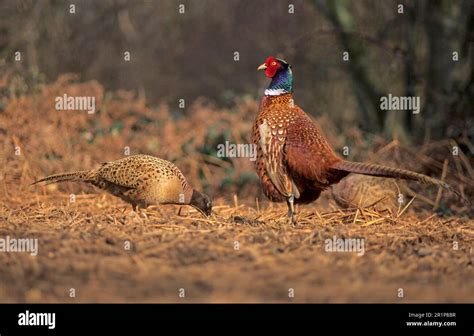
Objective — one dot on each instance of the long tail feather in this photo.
(383, 171)
(72, 176)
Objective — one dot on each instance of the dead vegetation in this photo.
(245, 252)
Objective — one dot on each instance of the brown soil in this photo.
(237, 255)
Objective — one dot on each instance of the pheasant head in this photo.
(201, 202)
(280, 73)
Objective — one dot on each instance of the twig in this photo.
(440, 189)
(406, 207)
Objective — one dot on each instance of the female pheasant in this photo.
(294, 160)
(140, 180)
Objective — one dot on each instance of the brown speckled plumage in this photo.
(295, 148)
(140, 180)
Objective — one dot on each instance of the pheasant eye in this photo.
(274, 63)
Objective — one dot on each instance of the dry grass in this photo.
(82, 244)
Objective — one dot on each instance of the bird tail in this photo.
(383, 171)
(78, 176)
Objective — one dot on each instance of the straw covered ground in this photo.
(92, 248)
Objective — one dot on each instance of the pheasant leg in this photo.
(291, 209)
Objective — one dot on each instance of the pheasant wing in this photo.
(308, 154)
(273, 149)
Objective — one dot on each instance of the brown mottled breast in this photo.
(297, 148)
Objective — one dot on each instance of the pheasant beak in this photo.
(262, 67)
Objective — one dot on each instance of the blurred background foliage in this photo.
(403, 48)
(185, 56)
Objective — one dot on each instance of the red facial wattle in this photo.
(270, 71)
(272, 66)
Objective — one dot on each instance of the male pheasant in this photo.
(295, 163)
(140, 180)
